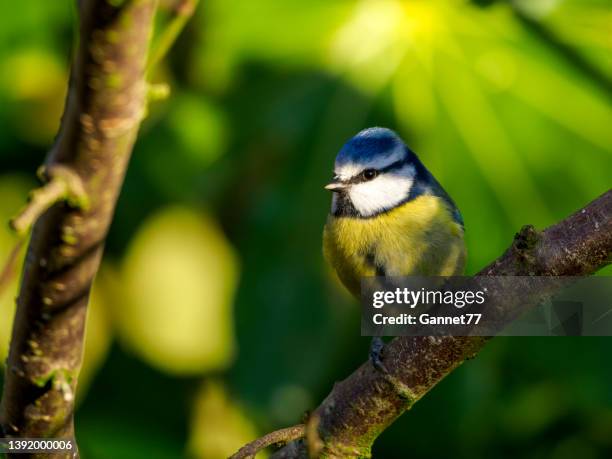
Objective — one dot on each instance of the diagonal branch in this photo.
(362, 406)
(181, 11)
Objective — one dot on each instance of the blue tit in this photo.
(389, 215)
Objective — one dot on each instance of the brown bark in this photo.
(83, 174)
(278, 436)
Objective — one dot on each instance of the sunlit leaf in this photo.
(35, 82)
(219, 426)
(285, 33)
(199, 128)
(178, 278)
(370, 45)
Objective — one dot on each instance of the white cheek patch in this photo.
(349, 170)
(383, 193)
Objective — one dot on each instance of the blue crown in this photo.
(367, 144)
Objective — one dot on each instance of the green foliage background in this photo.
(215, 319)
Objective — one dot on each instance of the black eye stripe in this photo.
(359, 178)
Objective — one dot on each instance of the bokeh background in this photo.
(214, 318)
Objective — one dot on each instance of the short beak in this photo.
(335, 186)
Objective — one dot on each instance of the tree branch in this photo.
(278, 436)
(362, 406)
(181, 11)
(10, 266)
(85, 171)
(62, 184)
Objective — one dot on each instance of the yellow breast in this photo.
(419, 237)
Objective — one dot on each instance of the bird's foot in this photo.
(377, 347)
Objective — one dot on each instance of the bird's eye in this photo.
(370, 174)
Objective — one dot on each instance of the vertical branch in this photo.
(104, 108)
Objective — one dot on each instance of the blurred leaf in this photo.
(199, 128)
(288, 403)
(285, 33)
(36, 83)
(371, 44)
(179, 277)
(537, 8)
(533, 410)
(38, 23)
(219, 426)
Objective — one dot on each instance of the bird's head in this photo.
(374, 172)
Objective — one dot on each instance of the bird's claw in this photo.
(377, 346)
